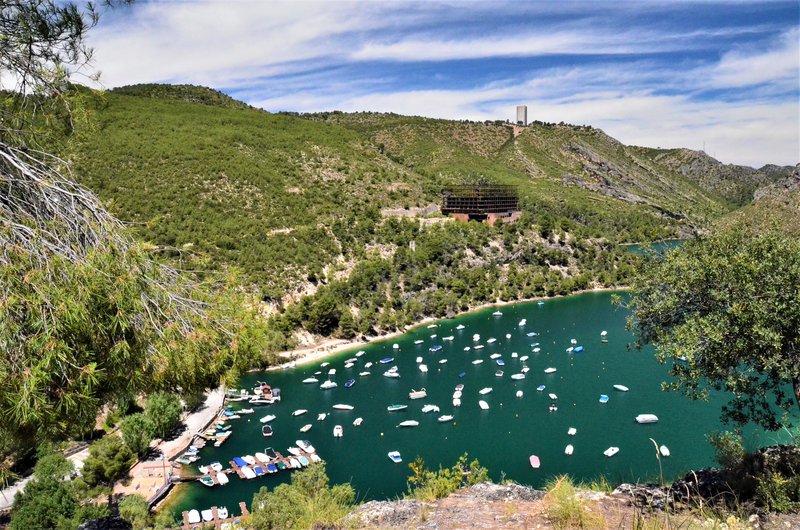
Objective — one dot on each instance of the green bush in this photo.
(137, 433)
(427, 485)
(163, 410)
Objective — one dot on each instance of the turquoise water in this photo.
(656, 246)
(504, 436)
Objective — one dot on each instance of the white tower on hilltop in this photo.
(522, 115)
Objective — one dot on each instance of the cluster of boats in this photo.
(207, 516)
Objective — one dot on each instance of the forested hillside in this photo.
(314, 204)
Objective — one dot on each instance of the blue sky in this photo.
(663, 74)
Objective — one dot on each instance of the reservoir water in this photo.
(502, 437)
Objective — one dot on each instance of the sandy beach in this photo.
(329, 347)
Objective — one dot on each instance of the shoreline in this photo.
(329, 347)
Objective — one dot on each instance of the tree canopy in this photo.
(728, 304)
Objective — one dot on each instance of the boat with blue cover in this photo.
(349, 383)
(272, 468)
(386, 360)
(435, 348)
(603, 398)
(578, 349)
(259, 471)
(239, 461)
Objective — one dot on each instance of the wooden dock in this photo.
(280, 458)
(216, 521)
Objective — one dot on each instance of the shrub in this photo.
(566, 510)
(427, 485)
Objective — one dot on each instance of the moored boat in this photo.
(338, 431)
(328, 384)
(603, 398)
(484, 391)
(310, 380)
(386, 360)
(646, 418)
(408, 423)
(483, 405)
(517, 377)
(306, 427)
(572, 431)
(342, 406)
(306, 446)
(394, 456)
(395, 408)
(611, 451)
(430, 408)
(445, 418)
(417, 394)
(358, 421)
(621, 388)
(268, 418)
(349, 383)
(299, 412)
(534, 460)
(568, 450)
(664, 450)
(519, 393)
(266, 430)
(550, 370)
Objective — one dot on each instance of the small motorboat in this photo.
(368, 365)
(500, 362)
(321, 416)
(534, 460)
(295, 463)
(391, 374)
(208, 515)
(572, 431)
(611, 451)
(417, 394)
(552, 396)
(448, 338)
(306, 446)
(418, 341)
(394, 456)
(484, 391)
(573, 341)
(266, 430)
(523, 322)
(310, 380)
(328, 384)
(419, 360)
(332, 371)
(531, 334)
(362, 374)
(395, 408)
(323, 365)
(349, 365)
(442, 361)
(395, 346)
(517, 377)
(519, 393)
(479, 347)
(306, 427)
(215, 466)
(349, 383)
(408, 423)
(460, 327)
(423, 368)
(342, 406)
(568, 450)
(462, 374)
(430, 408)
(524, 358)
(457, 394)
(456, 402)
(603, 398)
(359, 354)
(483, 405)
(536, 350)
(262, 457)
(578, 349)
(299, 412)
(646, 418)
(621, 388)
(664, 450)
(460, 387)
(358, 421)
(603, 333)
(268, 418)
(550, 370)
(194, 517)
(508, 335)
(477, 361)
(207, 481)
(495, 356)
(338, 431)
(498, 373)
(553, 407)
(476, 338)
(431, 326)
(467, 348)
(386, 360)
(248, 472)
(249, 459)
(514, 355)
(436, 348)
(491, 340)
(497, 314)
(445, 418)
(540, 388)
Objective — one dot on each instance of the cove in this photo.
(504, 436)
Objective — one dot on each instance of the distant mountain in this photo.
(776, 205)
(295, 200)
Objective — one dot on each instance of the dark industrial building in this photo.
(481, 202)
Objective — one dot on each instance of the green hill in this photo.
(324, 204)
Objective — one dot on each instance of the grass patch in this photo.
(565, 509)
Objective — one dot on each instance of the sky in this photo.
(719, 76)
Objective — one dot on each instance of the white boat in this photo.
(394, 456)
(294, 451)
(418, 341)
(523, 322)
(573, 341)
(323, 365)
(568, 450)
(332, 371)
(476, 338)
(216, 466)
(570, 349)
(194, 517)
(305, 428)
(518, 377)
(430, 408)
(434, 336)
(646, 418)
(395, 346)
(549, 370)
(525, 370)
(328, 384)
(664, 450)
(482, 404)
(460, 326)
(491, 340)
(442, 361)
(395, 408)
(248, 472)
(497, 314)
(299, 412)
(358, 421)
(611, 451)
(263, 457)
(495, 356)
(457, 394)
(207, 515)
(431, 326)
(419, 360)
(321, 416)
(391, 373)
(524, 358)
(448, 338)
(514, 355)
(519, 393)
(537, 349)
(445, 418)
(359, 354)
(295, 463)
(456, 402)
(467, 348)
(342, 406)
(553, 396)
(249, 459)
(306, 446)
(315, 458)
(621, 388)
(508, 335)
(417, 394)
(310, 380)
(268, 418)
(203, 469)
(484, 391)
(603, 333)
(477, 361)
(478, 347)
(349, 365)
(408, 423)
(363, 374)
(222, 478)
(338, 431)
(423, 368)
(368, 365)
(572, 431)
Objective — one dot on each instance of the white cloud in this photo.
(745, 67)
